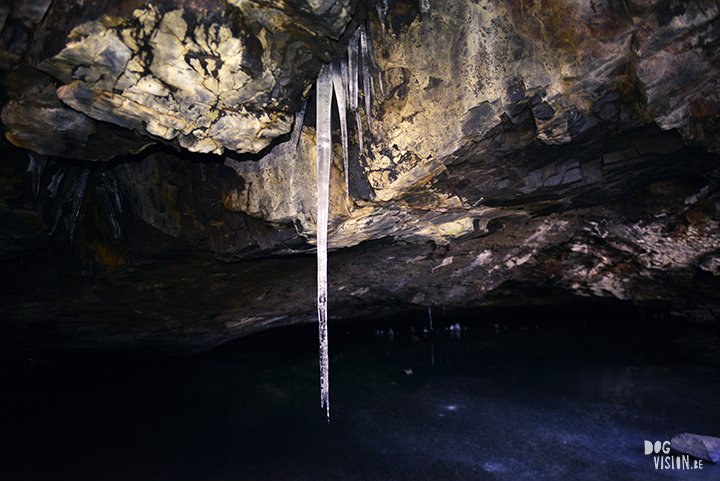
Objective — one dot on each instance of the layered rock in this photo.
(552, 149)
(209, 76)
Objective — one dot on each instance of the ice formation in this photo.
(109, 195)
(382, 8)
(55, 182)
(343, 81)
(72, 191)
(367, 78)
(36, 166)
(80, 186)
(424, 5)
(324, 89)
(297, 129)
(52, 193)
(353, 70)
(68, 188)
(353, 83)
(340, 83)
(360, 56)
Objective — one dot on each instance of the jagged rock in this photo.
(157, 74)
(677, 62)
(551, 149)
(36, 120)
(184, 201)
(703, 447)
(33, 10)
(211, 77)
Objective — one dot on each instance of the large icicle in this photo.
(343, 79)
(339, 78)
(324, 92)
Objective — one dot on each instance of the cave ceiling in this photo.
(158, 173)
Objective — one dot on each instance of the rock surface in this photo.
(514, 152)
(703, 447)
(210, 76)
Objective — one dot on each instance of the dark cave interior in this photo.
(524, 237)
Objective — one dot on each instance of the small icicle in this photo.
(358, 122)
(36, 167)
(367, 77)
(297, 128)
(382, 8)
(109, 196)
(369, 58)
(52, 188)
(354, 83)
(345, 75)
(430, 317)
(353, 70)
(80, 185)
(79, 188)
(340, 89)
(382, 85)
(110, 183)
(324, 92)
(424, 5)
(109, 212)
(56, 220)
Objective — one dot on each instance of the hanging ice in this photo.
(297, 128)
(367, 78)
(343, 80)
(358, 122)
(110, 183)
(382, 8)
(424, 5)
(53, 192)
(36, 166)
(56, 179)
(109, 195)
(71, 191)
(353, 82)
(353, 70)
(79, 187)
(324, 92)
(340, 89)
(79, 192)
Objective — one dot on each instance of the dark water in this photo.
(504, 397)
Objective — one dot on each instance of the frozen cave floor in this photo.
(498, 394)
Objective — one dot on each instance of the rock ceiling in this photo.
(515, 152)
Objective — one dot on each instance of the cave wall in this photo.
(515, 151)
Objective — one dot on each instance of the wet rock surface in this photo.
(512, 153)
